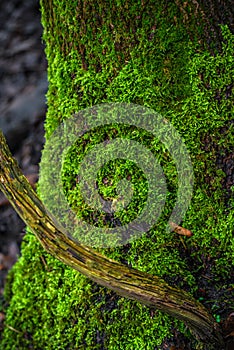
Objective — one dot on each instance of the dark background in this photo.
(23, 85)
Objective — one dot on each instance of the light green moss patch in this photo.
(149, 60)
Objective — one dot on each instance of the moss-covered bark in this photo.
(130, 283)
(151, 55)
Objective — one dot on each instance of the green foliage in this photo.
(130, 57)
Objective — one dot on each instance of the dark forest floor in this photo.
(23, 85)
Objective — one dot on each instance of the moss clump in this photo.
(101, 53)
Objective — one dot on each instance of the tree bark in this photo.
(145, 288)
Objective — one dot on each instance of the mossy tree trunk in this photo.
(147, 289)
(134, 51)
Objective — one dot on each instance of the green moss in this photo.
(133, 56)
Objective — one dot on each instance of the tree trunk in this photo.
(130, 51)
